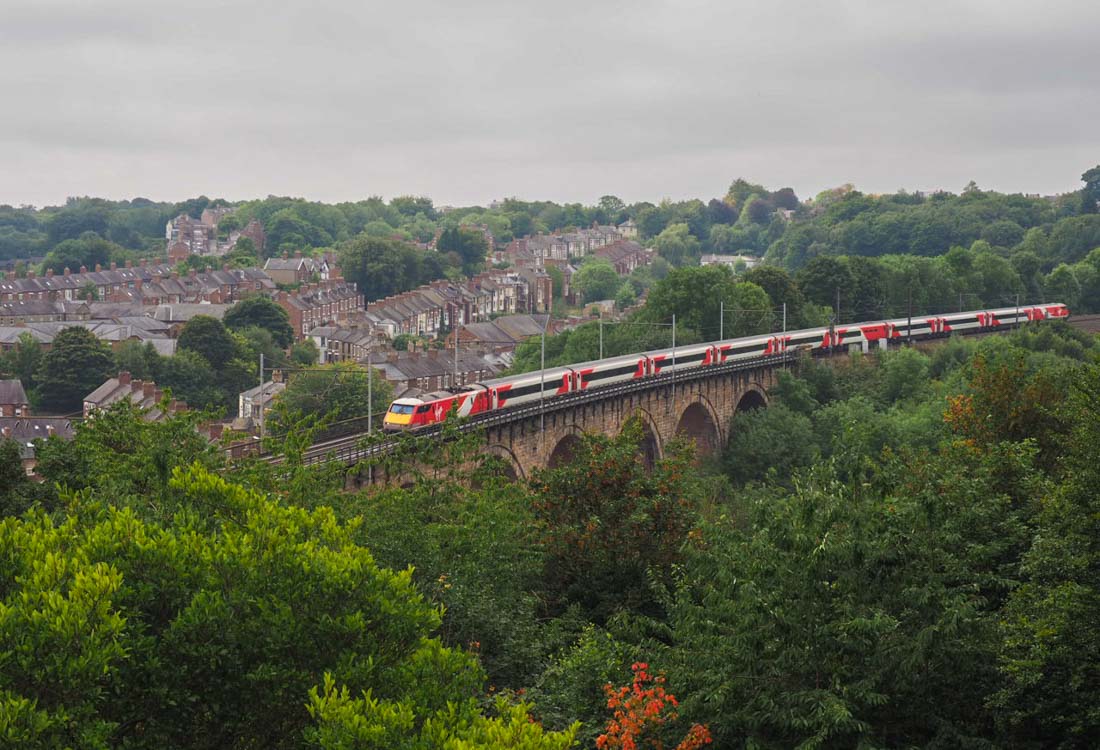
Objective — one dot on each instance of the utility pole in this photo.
(960, 301)
(674, 348)
(370, 397)
(542, 382)
(721, 319)
(1017, 311)
(601, 333)
(784, 318)
(909, 324)
(262, 389)
(838, 305)
(454, 330)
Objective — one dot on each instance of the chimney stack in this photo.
(124, 378)
(98, 268)
(114, 266)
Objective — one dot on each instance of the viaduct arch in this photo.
(700, 410)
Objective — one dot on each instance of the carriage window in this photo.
(401, 409)
(423, 409)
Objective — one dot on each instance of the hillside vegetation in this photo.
(900, 551)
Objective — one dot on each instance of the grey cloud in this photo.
(570, 100)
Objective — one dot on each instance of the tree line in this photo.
(899, 551)
(992, 245)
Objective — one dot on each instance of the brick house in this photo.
(13, 399)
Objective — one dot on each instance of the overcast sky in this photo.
(471, 100)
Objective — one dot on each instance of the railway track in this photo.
(350, 448)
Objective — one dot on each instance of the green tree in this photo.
(781, 290)
(76, 365)
(676, 244)
(142, 361)
(88, 250)
(23, 360)
(607, 523)
(472, 547)
(209, 338)
(1062, 286)
(381, 267)
(843, 616)
(243, 254)
(771, 442)
(626, 296)
(15, 487)
(557, 279)
(190, 378)
(468, 244)
(263, 312)
(820, 279)
(1090, 194)
(596, 279)
(215, 629)
(1051, 649)
(698, 295)
(337, 391)
(305, 353)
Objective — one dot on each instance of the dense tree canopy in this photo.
(75, 365)
(261, 312)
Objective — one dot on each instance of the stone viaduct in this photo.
(700, 405)
(700, 408)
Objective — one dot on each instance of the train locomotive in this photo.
(516, 390)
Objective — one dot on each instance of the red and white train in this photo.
(503, 393)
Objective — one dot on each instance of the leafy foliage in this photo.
(75, 365)
(608, 523)
(261, 312)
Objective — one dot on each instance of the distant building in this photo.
(625, 255)
(144, 395)
(729, 260)
(250, 403)
(13, 399)
(185, 236)
(296, 270)
(25, 430)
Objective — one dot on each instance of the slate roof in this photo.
(11, 392)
